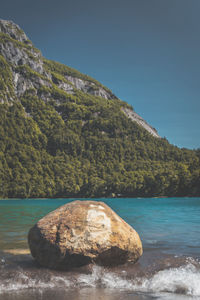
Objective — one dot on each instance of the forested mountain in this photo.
(63, 134)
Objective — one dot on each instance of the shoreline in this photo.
(16, 251)
(96, 198)
(170, 262)
(151, 277)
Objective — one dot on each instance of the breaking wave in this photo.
(184, 280)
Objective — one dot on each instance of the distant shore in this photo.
(96, 198)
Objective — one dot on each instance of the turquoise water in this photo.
(170, 224)
(169, 268)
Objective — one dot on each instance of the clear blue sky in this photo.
(146, 51)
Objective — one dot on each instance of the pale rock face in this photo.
(136, 118)
(13, 30)
(83, 232)
(22, 84)
(68, 88)
(77, 82)
(100, 93)
(89, 87)
(16, 53)
(102, 229)
(19, 56)
(19, 51)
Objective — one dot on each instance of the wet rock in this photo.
(83, 232)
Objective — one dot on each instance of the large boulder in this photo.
(83, 232)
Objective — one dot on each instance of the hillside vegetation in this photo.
(63, 134)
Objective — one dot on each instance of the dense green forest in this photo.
(87, 156)
(82, 145)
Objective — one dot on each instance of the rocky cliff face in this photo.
(139, 120)
(17, 49)
(27, 70)
(64, 134)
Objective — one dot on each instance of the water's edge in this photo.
(149, 276)
(169, 268)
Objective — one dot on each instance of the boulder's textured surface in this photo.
(83, 232)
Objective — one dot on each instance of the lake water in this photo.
(169, 268)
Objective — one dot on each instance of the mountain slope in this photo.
(62, 134)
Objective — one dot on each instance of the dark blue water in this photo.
(170, 232)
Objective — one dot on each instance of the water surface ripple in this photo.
(169, 269)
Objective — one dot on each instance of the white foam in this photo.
(100, 277)
(22, 281)
(184, 280)
(91, 280)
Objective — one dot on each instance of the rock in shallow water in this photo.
(83, 232)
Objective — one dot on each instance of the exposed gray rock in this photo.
(22, 83)
(13, 31)
(78, 83)
(89, 87)
(68, 88)
(18, 50)
(18, 56)
(136, 118)
(100, 92)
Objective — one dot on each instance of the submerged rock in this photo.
(83, 232)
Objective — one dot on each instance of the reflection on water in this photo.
(84, 294)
